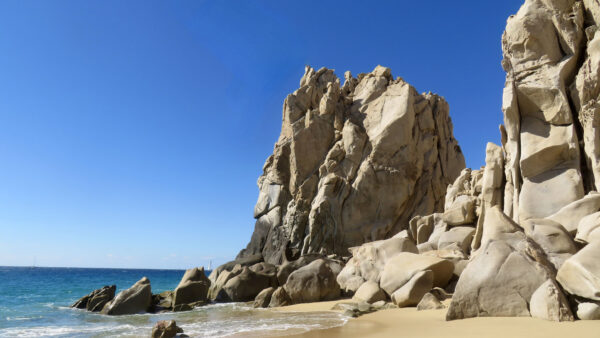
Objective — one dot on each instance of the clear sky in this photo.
(132, 133)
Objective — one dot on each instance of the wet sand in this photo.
(408, 322)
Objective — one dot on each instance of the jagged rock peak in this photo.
(354, 163)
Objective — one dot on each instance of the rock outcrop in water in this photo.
(353, 164)
(191, 292)
(136, 299)
(96, 300)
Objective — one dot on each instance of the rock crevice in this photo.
(353, 164)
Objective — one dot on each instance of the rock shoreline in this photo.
(191, 292)
(367, 196)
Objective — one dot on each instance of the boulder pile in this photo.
(192, 291)
(353, 164)
(521, 232)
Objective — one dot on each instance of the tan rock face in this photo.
(369, 259)
(193, 288)
(542, 45)
(553, 238)
(588, 229)
(369, 292)
(411, 293)
(403, 267)
(580, 274)
(549, 303)
(429, 302)
(353, 164)
(314, 282)
(136, 299)
(499, 281)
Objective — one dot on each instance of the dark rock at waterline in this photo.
(136, 299)
(96, 300)
(162, 302)
(264, 298)
(216, 291)
(192, 290)
(165, 329)
(280, 298)
(221, 275)
(248, 284)
(245, 261)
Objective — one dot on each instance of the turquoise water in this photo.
(34, 302)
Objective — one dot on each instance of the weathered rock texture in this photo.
(136, 299)
(165, 329)
(96, 300)
(192, 290)
(353, 164)
(550, 109)
(548, 180)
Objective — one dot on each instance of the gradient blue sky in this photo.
(132, 133)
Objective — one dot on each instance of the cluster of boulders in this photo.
(192, 291)
(521, 233)
(310, 278)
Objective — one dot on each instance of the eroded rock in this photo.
(314, 282)
(342, 147)
(96, 300)
(192, 290)
(580, 274)
(136, 299)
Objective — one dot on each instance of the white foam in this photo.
(55, 331)
(215, 320)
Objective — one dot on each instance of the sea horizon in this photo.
(87, 267)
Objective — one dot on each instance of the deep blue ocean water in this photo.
(35, 302)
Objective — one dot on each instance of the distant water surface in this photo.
(34, 302)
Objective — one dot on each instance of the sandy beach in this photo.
(408, 322)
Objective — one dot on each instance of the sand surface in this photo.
(408, 322)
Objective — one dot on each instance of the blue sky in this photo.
(132, 133)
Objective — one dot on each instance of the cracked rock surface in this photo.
(353, 164)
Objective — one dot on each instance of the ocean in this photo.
(34, 302)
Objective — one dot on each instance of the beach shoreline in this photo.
(408, 322)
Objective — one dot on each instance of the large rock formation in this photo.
(353, 164)
(364, 167)
(551, 61)
(551, 147)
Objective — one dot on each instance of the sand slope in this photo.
(408, 322)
